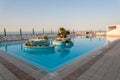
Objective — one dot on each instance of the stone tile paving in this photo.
(5, 74)
(78, 72)
(13, 69)
(108, 70)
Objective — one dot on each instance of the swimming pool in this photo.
(51, 60)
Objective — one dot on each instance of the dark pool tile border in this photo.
(23, 62)
(15, 70)
(37, 72)
(74, 75)
(78, 72)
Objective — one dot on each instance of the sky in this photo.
(80, 15)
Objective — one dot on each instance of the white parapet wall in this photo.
(100, 33)
(115, 32)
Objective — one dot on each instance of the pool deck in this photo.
(102, 64)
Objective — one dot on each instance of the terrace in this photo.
(102, 64)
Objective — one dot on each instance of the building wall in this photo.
(114, 32)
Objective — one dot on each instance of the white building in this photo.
(113, 31)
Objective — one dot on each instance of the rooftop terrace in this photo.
(102, 64)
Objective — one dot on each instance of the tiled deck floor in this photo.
(5, 74)
(107, 68)
(104, 66)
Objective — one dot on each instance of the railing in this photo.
(17, 37)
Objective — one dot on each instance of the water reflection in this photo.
(73, 39)
(21, 46)
(89, 37)
(6, 47)
(111, 39)
(99, 39)
(39, 51)
(64, 49)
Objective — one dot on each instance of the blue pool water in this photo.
(51, 60)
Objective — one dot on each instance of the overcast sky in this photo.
(72, 14)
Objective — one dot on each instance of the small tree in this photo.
(63, 32)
